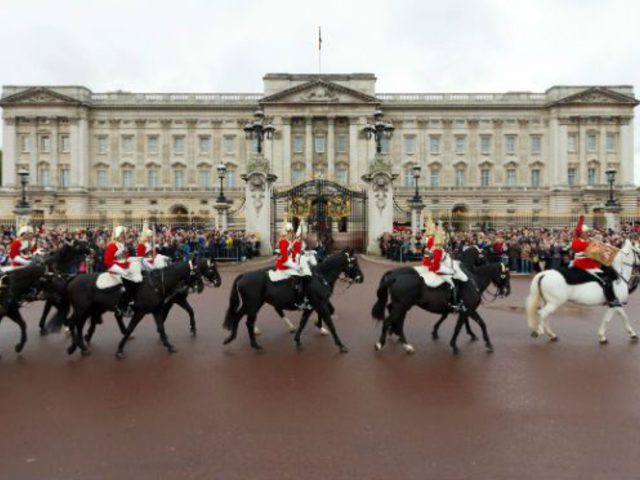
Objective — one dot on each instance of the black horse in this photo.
(150, 296)
(409, 289)
(253, 289)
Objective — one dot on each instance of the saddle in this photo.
(108, 280)
(577, 276)
(279, 275)
(431, 279)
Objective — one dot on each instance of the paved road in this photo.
(533, 409)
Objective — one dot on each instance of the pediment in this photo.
(40, 96)
(319, 91)
(597, 96)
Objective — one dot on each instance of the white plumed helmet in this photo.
(585, 228)
(119, 230)
(25, 229)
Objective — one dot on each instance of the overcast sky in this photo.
(411, 46)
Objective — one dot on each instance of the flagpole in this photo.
(319, 50)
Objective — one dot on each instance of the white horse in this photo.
(551, 287)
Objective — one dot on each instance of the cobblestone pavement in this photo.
(533, 409)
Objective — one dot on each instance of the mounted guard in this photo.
(22, 248)
(120, 267)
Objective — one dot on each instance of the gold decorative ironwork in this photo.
(299, 207)
(339, 206)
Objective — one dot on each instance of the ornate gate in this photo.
(335, 215)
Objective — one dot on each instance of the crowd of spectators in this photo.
(176, 243)
(523, 250)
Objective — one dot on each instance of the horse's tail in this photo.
(533, 300)
(377, 312)
(232, 315)
(55, 323)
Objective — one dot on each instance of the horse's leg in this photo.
(633, 336)
(251, 323)
(467, 327)
(120, 321)
(325, 313)
(384, 331)
(453, 343)
(485, 334)
(602, 331)
(303, 323)
(436, 327)
(321, 327)
(43, 318)
(543, 324)
(192, 316)
(158, 317)
(399, 322)
(14, 314)
(91, 331)
(290, 326)
(137, 316)
(80, 327)
(234, 327)
(71, 324)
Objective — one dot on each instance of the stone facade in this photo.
(122, 153)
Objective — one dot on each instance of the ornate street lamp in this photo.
(258, 130)
(379, 130)
(222, 173)
(24, 180)
(416, 175)
(611, 178)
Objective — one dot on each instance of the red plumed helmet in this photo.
(430, 243)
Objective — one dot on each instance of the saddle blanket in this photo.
(108, 280)
(577, 276)
(8, 269)
(279, 275)
(430, 278)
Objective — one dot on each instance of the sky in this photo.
(411, 45)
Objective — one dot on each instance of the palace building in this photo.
(154, 154)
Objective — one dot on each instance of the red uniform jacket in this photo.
(296, 248)
(284, 254)
(141, 250)
(110, 257)
(585, 263)
(438, 253)
(426, 261)
(14, 251)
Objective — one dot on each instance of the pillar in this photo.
(308, 147)
(331, 152)
(10, 152)
(258, 191)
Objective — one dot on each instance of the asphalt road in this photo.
(531, 410)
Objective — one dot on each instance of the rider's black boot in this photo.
(456, 304)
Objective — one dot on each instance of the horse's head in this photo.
(502, 280)
(473, 257)
(351, 267)
(208, 270)
(627, 264)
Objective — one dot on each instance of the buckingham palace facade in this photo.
(151, 154)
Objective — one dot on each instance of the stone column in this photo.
(258, 200)
(379, 202)
(582, 152)
(10, 152)
(35, 148)
(222, 212)
(353, 149)
(190, 153)
(55, 152)
(331, 152)
(286, 150)
(416, 216)
(75, 143)
(308, 147)
(625, 153)
(164, 146)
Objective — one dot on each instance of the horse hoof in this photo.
(473, 338)
(87, 339)
(435, 336)
(343, 349)
(292, 329)
(194, 332)
(324, 332)
(172, 349)
(489, 348)
(43, 332)
(121, 355)
(534, 334)
(255, 346)
(228, 340)
(71, 350)
(553, 339)
(603, 341)
(633, 338)
(455, 350)
(86, 352)
(19, 347)
(257, 331)
(409, 348)
(378, 346)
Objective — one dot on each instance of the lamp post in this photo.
(258, 130)
(24, 180)
(416, 175)
(222, 173)
(378, 130)
(611, 178)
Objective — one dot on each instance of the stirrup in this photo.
(614, 303)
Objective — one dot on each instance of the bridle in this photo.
(499, 292)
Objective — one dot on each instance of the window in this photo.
(204, 145)
(611, 142)
(178, 178)
(535, 177)
(152, 178)
(231, 178)
(591, 142)
(25, 143)
(510, 144)
(229, 145)
(572, 143)
(385, 143)
(65, 177)
(536, 144)
(152, 145)
(591, 176)
(102, 145)
(342, 174)
(101, 178)
(65, 144)
(484, 177)
(297, 174)
(204, 178)
(434, 144)
(127, 144)
(43, 177)
(178, 145)
(127, 178)
(409, 145)
(434, 179)
(341, 143)
(45, 144)
(571, 176)
(298, 144)
(511, 177)
(485, 144)
(320, 143)
(408, 176)
(460, 143)
(459, 178)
